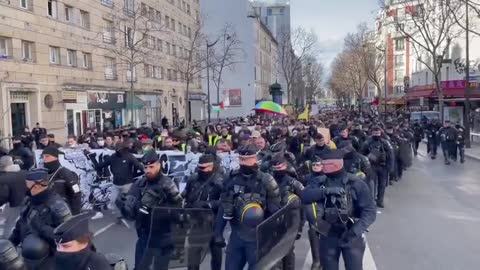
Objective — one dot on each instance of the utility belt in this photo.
(331, 225)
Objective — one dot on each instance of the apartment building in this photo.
(266, 61)
(64, 64)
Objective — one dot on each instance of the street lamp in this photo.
(384, 51)
(467, 78)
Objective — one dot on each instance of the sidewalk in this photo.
(472, 153)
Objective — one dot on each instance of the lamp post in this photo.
(467, 78)
(208, 76)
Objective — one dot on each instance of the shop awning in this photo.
(420, 93)
(137, 103)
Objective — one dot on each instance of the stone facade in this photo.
(59, 64)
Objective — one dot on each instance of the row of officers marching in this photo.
(336, 191)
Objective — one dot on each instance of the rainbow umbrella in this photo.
(270, 107)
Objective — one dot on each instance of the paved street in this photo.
(430, 223)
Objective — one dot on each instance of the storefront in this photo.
(147, 108)
(93, 109)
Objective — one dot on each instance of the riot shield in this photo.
(189, 230)
(276, 235)
(405, 153)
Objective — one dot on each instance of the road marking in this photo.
(104, 229)
(368, 261)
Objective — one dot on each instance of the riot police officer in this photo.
(65, 182)
(43, 212)
(203, 190)
(418, 135)
(290, 188)
(460, 142)
(448, 136)
(358, 132)
(152, 190)
(75, 249)
(432, 138)
(249, 196)
(357, 164)
(344, 211)
(380, 154)
(314, 180)
(317, 148)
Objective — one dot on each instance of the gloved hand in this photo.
(347, 238)
(219, 241)
(339, 191)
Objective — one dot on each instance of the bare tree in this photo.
(225, 55)
(312, 76)
(130, 36)
(191, 62)
(473, 7)
(430, 27)
(294, 47)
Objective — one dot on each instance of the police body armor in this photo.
(377, 153)
(353, 165)
(334, 214)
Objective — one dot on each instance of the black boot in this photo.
(380, 204)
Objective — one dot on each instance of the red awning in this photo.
(420, 93)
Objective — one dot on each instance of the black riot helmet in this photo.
(35, 250)
(9, 258)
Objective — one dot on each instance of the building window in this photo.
(128, 6)
(148, 71)
(269, 12)
(159, 17)
(143, 9)
(86, 60)
(169, 74)
(399, 60)
(157, 72)
(24, 4)
(188, 9)
(52, 8)
(128, 37)
(27, 50)
(55, 55)
(180, 28)
(108, 3)
(84, 19)
(399, 74)
(400, 44)
(68, 13)
(4, 47)
(72, 58)
(131, 73)
(174, 50)
(189, 32)
(160, 45)
(167, 22)
(168, 48)
(172, 23)
(110, 68)
(108, 36)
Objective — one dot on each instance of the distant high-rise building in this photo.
(275, 14)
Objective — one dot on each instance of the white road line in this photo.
(368, 261)
(104, 229)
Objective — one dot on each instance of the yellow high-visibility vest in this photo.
(218, 138)
(210, 140)
(184, 147)
(302, 147)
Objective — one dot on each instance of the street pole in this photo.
(385, 81)
(467, 79)
(208, 83)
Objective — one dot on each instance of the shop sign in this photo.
(106, 100)
(69, 96)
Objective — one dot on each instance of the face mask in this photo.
(205, 175)
(248, 170)
(376, 138)
(52, 166)
(70, 260)
(279, 174)
(101, 143)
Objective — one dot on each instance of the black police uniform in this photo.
(289, 188)
(396, 139)
(344, 211)
(87, 258)
(448, 137)
(203, 191)
(144, 195)
(418, 135)
(432, 139)
(460, 142)
(22, 155)
(359, 165)
(63, 181)
(313, 180)
(382, 157)
(249, 195)
(9, 257)
(38, 219)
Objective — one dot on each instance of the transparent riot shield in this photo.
(187, 232)
(276, 235)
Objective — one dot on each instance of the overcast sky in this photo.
(332, 20)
